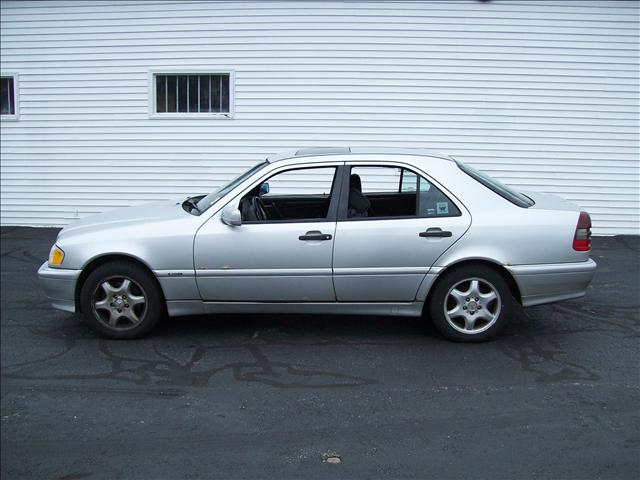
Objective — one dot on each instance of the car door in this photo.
(283, 258)
(383, 252)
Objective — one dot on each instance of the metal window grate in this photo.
(7, 96)
(192, 93)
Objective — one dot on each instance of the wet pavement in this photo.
(291, 396)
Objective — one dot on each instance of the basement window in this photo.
(192, 94)
(8, 104)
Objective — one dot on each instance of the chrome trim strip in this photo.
(174, 273)
(263, 272)
(382, 271)
(303, 272)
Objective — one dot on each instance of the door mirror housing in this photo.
(231, 216)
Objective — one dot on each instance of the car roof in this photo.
(324, 151)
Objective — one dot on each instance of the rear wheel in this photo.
(471, 304)
(121, 300)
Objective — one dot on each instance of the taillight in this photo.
(582, 238)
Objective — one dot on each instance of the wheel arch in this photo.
(100, 260)
(497, 267)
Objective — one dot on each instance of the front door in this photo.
(279, 254)
(393, 227)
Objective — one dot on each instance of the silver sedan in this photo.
(333, 230)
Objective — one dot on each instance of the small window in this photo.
(292, 195)
(387, 192)
(7, 96)
(433, 203)
(192, 94)
(408, 181)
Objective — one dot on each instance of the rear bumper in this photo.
(59, 285)
(548, 283)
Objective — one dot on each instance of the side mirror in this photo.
(231, 216)
(264, 188)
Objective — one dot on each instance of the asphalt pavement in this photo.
(292, 396)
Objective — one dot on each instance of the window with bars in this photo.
(192, 93)
(7, 96)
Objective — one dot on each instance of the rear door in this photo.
(384, 255)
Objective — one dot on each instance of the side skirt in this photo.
(178, 308)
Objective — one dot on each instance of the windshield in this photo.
(213, 197)
(496, 186)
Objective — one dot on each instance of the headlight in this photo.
(56, 256)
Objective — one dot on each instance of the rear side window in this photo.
(389, 191)
(494, 185)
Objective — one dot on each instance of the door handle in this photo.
(435, 232)
(315, 235)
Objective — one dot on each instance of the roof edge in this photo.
(321, 151)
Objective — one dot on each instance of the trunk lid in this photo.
(549, 201)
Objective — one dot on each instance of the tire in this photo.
(457, 314)
(121, 300)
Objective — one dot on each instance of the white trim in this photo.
(16, 98)
(191, 71)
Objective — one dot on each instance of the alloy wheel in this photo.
(472, 305)
(119, 303)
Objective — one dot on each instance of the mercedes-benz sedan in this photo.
(338, 230)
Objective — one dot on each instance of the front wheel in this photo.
(121, 300)
(471, 304)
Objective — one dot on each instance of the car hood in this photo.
(137, 216)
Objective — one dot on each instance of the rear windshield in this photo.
(500, 188)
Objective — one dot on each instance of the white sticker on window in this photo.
(443, 208)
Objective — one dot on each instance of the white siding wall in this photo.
(543, 95)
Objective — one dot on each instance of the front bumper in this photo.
(59, 284)
(548, 283)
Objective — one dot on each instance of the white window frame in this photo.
(16, 98)
(192, 71)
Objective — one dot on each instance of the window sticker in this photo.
(443, 208)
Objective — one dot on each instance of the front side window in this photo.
(292, 195)
(7, 96)
(395, 192)
(192, 93)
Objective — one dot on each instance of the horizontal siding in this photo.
(542, 95)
